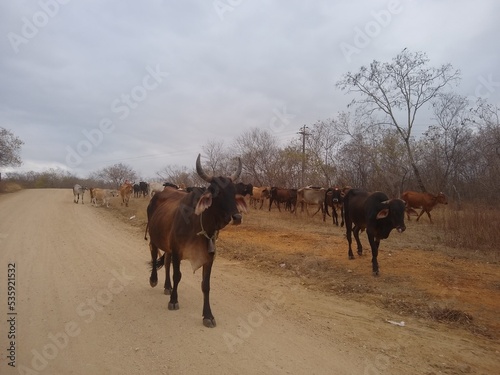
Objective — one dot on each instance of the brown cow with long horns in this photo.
(186, 225)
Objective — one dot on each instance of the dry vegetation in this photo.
(421, 277)
(9, 187)
(474, 227)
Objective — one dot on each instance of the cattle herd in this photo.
(185, 222)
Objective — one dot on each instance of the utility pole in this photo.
(303, 133)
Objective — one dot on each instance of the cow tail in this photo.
(160, 262)
(146, 231)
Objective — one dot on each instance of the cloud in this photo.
(225, 76)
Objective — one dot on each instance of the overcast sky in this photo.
(87, 84)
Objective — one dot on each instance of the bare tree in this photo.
(117, 174)
(445, 146)
(487, 150)
(488, 120)
(321, 143)
(259, 151)
(10, 147)
(180, 176)
(215, 157)
(398, 89)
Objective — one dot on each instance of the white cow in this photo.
(155, 187)
(102, 195)
(77, 191)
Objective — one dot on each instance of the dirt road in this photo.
(83, 305)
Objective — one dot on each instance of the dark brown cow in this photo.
(280, 195)
(186, 225)
(334, 198)
(376, 213)
(425, 201)
(244, 189)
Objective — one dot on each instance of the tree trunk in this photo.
(414, 167)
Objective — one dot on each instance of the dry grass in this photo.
(476, 228)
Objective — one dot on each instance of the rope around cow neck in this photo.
(204, 232)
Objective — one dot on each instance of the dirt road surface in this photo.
(83, 305)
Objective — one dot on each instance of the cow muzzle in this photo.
(236, 219)
(401, 229)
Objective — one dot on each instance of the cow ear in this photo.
(383, 213)
(241, 204)
(204, 202)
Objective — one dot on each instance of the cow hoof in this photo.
(153, 283)
(173, 306)
(167, 291)
(375, 273)
(351, 257)
(209, 323)
(360, 253)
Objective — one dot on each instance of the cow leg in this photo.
(208, 318)
(176, 264)
(421, 213)
(153, 278)
(167, 287)
(429, 214)
(358, 242)
(349, 240)
(335, 217)
(342, 216)
(374, 243)
(319, 208)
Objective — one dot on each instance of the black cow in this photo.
(376, 213)
(186, 225)
(244, 189)
(143, 188)
(137, 190)
(334, 199)
(280, 195)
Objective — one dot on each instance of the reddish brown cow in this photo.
(126, 191)
(425, 201)
(186, 225)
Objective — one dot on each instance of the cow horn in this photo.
(200, 170)
(236, 174)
